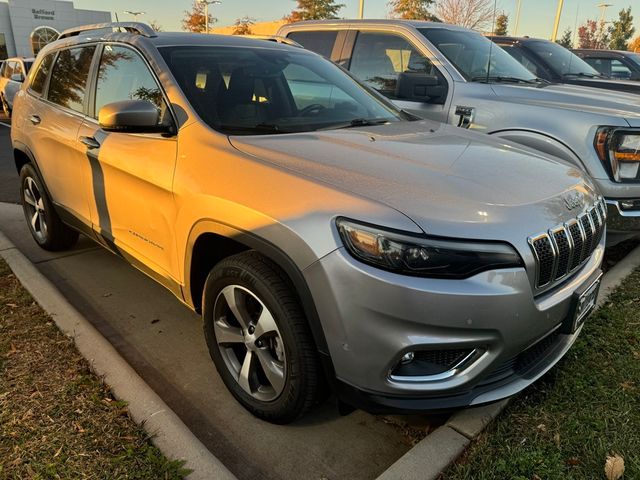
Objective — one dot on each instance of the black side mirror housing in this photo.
(131, 116)
(419, 87)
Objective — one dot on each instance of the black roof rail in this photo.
(131, 27)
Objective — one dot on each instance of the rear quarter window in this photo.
(321, 42)
(41, 74)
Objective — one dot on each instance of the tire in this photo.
(268, 326)
(44, 223)
(5, 106)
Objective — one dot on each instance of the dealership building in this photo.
(28, 25)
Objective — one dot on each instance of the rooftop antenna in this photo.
(493, 29)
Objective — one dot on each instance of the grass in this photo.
(588, 407)
(57, 419)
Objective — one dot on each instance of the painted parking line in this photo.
(5, 124)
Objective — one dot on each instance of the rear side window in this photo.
(123, 75)
(318, 42)
(40, 77)
(8, 69)
(68, 82)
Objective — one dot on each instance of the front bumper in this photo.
(371, 318)
(620, 221)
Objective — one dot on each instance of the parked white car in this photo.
(12, 74)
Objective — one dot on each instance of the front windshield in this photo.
(469, 52)
(240, 90)
(561, 60)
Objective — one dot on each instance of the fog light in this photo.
(407, 358)
(627, 205)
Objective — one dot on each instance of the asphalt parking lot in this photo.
(163, 341)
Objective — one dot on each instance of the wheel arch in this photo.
(209, 243)
(541, 142)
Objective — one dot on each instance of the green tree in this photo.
(621, 30)
(412, 9)
(567, 39)
(315, 10)
(502, 25)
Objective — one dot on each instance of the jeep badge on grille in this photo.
(573, 200)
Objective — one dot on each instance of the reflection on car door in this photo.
(129, 176)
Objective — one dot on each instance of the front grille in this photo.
(564, 248)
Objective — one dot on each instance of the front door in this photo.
(130, 176)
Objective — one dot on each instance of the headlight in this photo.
(424, 256)
(619, 150)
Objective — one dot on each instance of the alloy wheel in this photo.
(250, 343)
(34, 205)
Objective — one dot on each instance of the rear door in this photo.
(129, 178)
(54, 121)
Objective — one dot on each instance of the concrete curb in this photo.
(432, 455)
(168, 432)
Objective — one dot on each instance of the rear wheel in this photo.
(44, 223)
(259, 339)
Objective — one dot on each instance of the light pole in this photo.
(557, 23)
(135, 14)
(361, 9)
(515, 33)
(604, 7)
(206, 11)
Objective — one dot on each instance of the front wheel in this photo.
(259, 339)
(44, 223)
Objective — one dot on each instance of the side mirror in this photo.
(17, 77)
(131, 116)
(420, 88)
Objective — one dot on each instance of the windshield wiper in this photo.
(357, 122)
(582, 74)
(502, 79)
(261, 128)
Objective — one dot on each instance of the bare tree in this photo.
(156, 26)
(243, 26)
(475, 14)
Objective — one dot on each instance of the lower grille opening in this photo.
(431, 362)
(524, 361)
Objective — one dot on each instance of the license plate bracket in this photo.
(584, 302)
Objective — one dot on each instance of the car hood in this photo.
(573, 97)
(449, 181)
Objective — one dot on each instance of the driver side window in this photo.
(379, 59)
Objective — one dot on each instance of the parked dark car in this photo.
(554, 63)
(613, 63)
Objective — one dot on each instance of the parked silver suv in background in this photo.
(326, 236)
(12, 73)
(439, 71)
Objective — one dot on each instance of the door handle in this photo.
(35, 119)
(90, 142)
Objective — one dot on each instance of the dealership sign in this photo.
(43, 14)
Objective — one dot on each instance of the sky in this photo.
(536, 16)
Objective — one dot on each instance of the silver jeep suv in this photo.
(328, 239)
